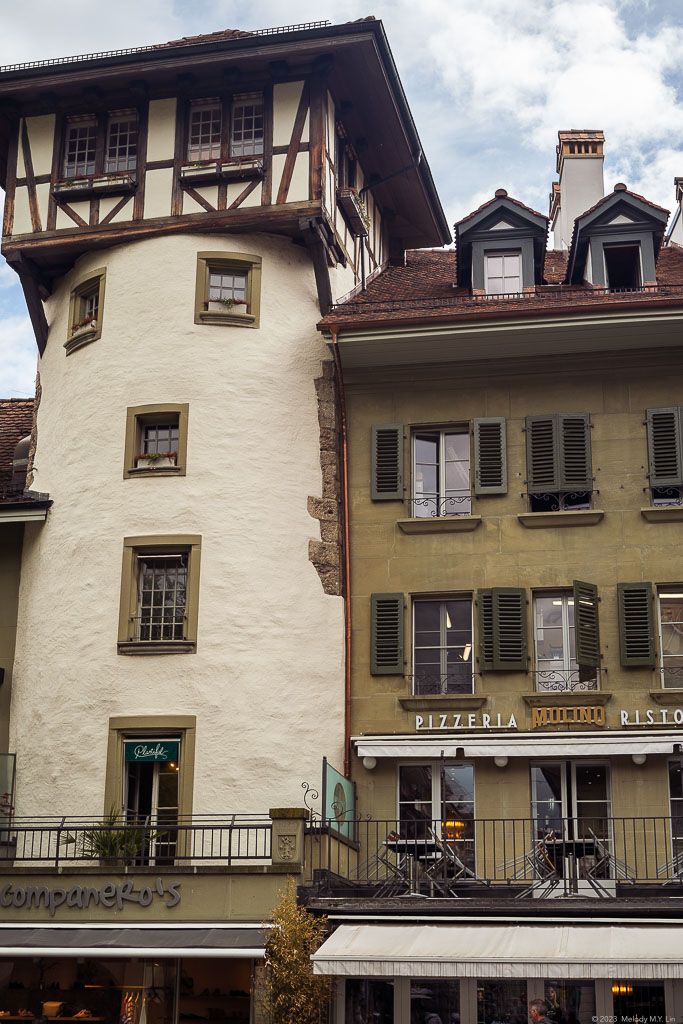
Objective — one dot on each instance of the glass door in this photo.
(150, 797)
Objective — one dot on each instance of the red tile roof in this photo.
(623, 192)
(423, 289)
(211, 37)
(16, 418)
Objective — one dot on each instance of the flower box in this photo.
(241, 170)
(353, 208)
(113, 184)
(216, 306)
(198, 173)
(73, 187)
(166, 460)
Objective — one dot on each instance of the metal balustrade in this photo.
(221, 840)
(491, 858)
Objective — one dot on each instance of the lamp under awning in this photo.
(460, 950)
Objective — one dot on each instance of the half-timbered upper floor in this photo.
(304, 132)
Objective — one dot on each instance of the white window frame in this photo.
(568, 671)
(199, 152)
(448, 501)
(674, 589)
(80, 167)
(253, 146)
(443, 647)
(503, 255)
(123, 155)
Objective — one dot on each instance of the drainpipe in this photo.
(347, 570)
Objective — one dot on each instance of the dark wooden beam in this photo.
(313, 237)
(294, 143)
(31, 284)
(116, 209)
(244, 193)
(30, 179)
(8, 218)
(141, 169)
(317, 137)
(199, 198)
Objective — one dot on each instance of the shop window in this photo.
(570, 1001)
(369, 1000)
(555, 645)
(442, 646)
(86, 307)
(156, 440)
(433, 1000)
(638, 1001)
(228, 289)
(502, 1001)
(151, 795)
(159, 595)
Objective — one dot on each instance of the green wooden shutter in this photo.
(664, 447)
(586, 629)
(502, 629)
(576, 470)
(490, 456)
(542, 455)
(485, 629)
(386, 635)
(387, 462)
(636, 624)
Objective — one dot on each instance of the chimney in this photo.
(579, 165)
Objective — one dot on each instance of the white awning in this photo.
(109, 942)
(503, 951)
(520, 744)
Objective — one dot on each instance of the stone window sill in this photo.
(671, 697)
(541, 520)
(233, 319)
(159, 471)
(440, 524)
(81, 337)
(442, 700)
(157, 646)
(566, 698)
(665, 514)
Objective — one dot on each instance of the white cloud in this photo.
(17, 357)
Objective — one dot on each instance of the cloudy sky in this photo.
(489, 83)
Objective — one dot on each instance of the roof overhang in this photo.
(354, 59)
(518, 744)
(536, 333)
(487, 950)
(222, 941)
(23, 513)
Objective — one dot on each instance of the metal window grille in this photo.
(80, 148)
(205, 132)
(227, 284)
(162, 596)
(122, 142)
(556, 666)
(160, 438)
(246, 136)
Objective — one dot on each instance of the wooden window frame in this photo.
(159, 545)
(122, 728)
(442, 600)
(225, 262)
(137, 417)
(447, 507)
(102, 120)
(85, 286)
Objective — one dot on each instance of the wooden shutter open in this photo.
(502, 629)
(387, 462)
(490, 456)
(636, 624)
(664, 447)
(586, 629)
(386, 634)
(542, 456)
(574, 445)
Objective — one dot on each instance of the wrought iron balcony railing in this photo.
(68, 841)
(563, 680)
(457, 680)
(431, 506)
(560, 501)
(455, 855)
(665, 497)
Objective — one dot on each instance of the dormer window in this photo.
(503, 274)
(622, 266)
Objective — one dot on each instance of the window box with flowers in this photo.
(78, 186)
(156, 460)
(241, 168)
(200, 172)
(114, 183)
(228, 289)
(85, 311)
(353, 208)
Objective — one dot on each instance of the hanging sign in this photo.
(151, 750)
(338, 801)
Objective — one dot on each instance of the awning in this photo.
(520, 744)
(235, 940)
(503, 951)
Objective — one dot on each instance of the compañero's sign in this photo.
(110, 895)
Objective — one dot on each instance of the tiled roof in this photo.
(581, 135)
(501, 194)
(16, 418)
(623, 192)
(211, 37)
(423, 289)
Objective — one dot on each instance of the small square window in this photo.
(503, 274)
(246, 126)
(156, 440)
(228, 289)
(85, 311)
(159, 595)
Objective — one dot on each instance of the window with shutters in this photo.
(441, 473)
(559, 467)
(502, 629)
(555, 645)
(671, 635)
(664, 436)
(442, 646)
(635, 603)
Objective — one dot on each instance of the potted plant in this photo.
(83, 327)
(227, 305)
(353, 208)
(156, 460)
(200, 170)
(111, 841)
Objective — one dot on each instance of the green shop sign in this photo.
(151, 750)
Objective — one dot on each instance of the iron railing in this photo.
(498, 857)
(665, 497)
(563, 680)
(559, 501)
(431, 506)
(164, 840)
(458, 679)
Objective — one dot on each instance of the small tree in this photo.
(292, 993)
